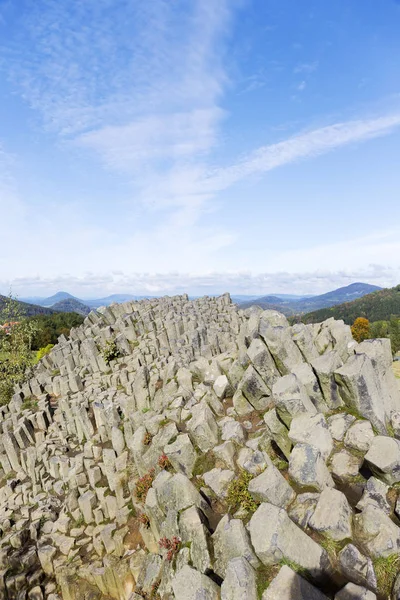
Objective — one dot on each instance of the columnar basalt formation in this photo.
(177, 449)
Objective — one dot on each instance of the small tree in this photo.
(15, 347)
(394, 334)
(360, 329)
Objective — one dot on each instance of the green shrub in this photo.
(239, 495)
(43, 351)
(110, 351)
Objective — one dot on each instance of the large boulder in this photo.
(308, 470)
(288, 585)
(275, 538)
(240, 581)
(189, 584)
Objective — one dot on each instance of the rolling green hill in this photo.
(297, 306)
(378, 306)
(27, 310)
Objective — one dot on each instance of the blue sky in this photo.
(201, 146)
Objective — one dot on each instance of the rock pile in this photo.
(176, 449)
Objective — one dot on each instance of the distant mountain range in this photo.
(307, 304)
(71, 305)
(288, 304)
(378, 306)
(27, 309)
(51, 301)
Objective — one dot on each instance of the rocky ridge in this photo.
(176, 449)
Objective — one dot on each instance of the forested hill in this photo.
(378, 306)
(25, 309)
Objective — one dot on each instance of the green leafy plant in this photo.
(110, 351)
(16, 337)
(43, 351)
(239, 495)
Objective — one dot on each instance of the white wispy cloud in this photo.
(140, 85)
(302, 146)
(306, 67)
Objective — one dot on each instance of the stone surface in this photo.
(114, 473)
(355, 592)
(312, 430)
(189, 584)
(332, 515)
(271, 487)
(359, 436)
(375, 533)
(308, 469)
(383, 457)
(288, 585)
(275, 537)
(231, 540)
(357, 567)
(240, 581)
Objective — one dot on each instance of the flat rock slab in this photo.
(383, 457)
(275, 537)
(189, 584)
(288, 585)
(355, 592)
(271, 487)
(333, 515)
(307, 468)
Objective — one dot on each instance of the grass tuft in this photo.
(386, 570)
(239, 495)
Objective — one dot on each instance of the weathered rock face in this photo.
(212, 448)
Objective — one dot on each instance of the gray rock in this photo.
(324, 367)
(303, 508)
(253, 461)
(345, 466)
(263, 362)
(189, 584)
(231, 540)
(375, 493)
(375, 533)
(182, 454)
(281, 346)
(203, 427)
(357, 567)
(306, 376)
(332, 515)
(339, 424)
(359, 436)
(291, 398)
(288, 585)
(240, 581)
(218, 480)
(312, 430)
(275, 537)
(254, 389)
(278, 432)
(361, 387)
(383, 457)
(232, 430)
(355, 592)
(193, 530)
(271, 487)
(308, 469)
(221, 386)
